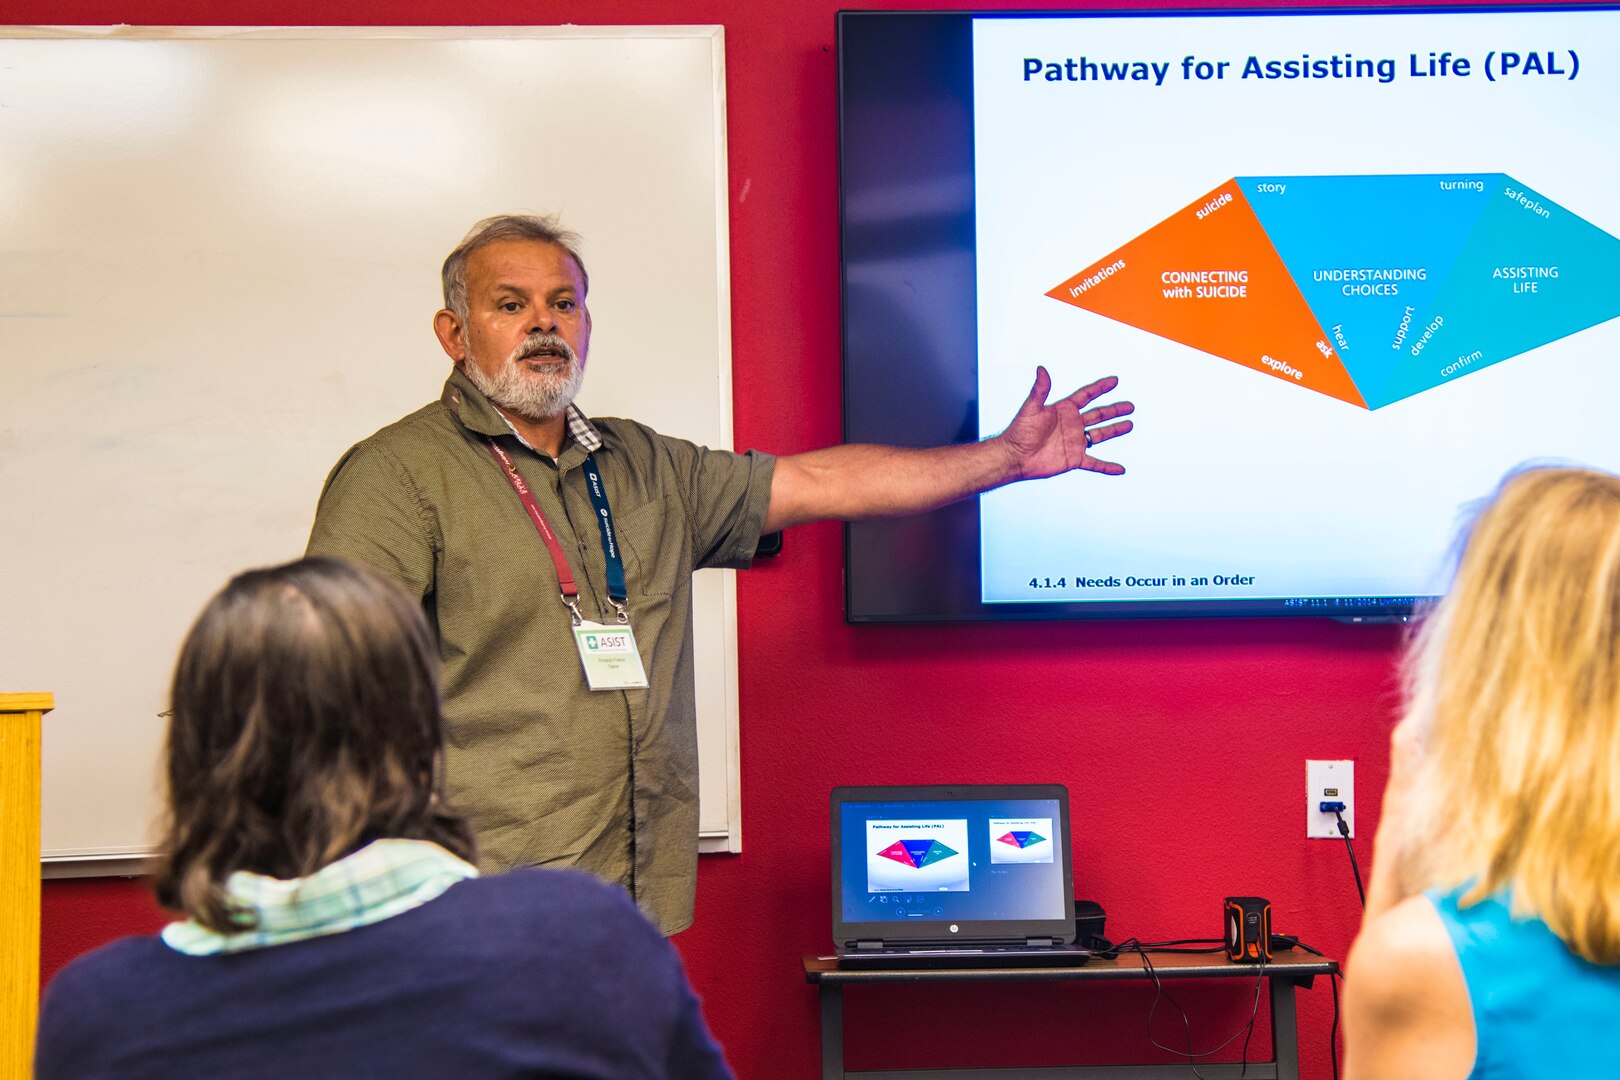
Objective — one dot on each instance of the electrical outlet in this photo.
(1329, 781)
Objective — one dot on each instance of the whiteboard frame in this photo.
(714, 591)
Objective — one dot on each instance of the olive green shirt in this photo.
(551, 773)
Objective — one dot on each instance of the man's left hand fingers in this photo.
(1110, 468)
(1095, 435)
(1103, 413)
(1094, 390)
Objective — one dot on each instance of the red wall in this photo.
(1183, 743)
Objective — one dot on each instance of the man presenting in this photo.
(554, 555)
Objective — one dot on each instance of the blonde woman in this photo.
(1491, 938)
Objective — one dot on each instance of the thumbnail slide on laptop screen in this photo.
(976, 860)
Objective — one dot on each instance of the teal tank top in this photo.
(1540, 1013)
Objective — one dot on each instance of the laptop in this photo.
(971, 875)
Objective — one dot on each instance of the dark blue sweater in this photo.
(536, 973)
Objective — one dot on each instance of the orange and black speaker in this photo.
(1248, 929)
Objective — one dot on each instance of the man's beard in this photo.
(532, 395)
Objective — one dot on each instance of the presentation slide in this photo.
(917, 856)
(1021, 840)
(1351, 269)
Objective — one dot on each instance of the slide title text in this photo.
(1497, 64)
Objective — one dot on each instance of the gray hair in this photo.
(493, 230)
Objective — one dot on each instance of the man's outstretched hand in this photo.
(859, 481)
(1048, 438)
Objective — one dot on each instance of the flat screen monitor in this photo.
(1352, 267)
(975, 862)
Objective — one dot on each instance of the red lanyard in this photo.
(559, 560)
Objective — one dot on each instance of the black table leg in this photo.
(1284, 1028)
(832, 1031)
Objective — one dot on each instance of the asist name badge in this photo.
(610, 657)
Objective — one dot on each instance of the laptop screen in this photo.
(968, 863)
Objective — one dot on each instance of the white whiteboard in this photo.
(219, 254)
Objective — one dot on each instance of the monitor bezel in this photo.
(913, 570)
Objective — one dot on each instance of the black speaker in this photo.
(1089, 920)
(1248, 929)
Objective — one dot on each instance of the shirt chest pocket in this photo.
(657, 548)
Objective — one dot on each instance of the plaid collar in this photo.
(381, 880)
(583, 431)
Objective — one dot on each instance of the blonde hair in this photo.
(1514, 683)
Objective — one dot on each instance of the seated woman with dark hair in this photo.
(335, 925)
(1491, 941)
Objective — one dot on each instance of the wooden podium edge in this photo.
(20, 716)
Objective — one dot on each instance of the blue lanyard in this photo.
(617, 592)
